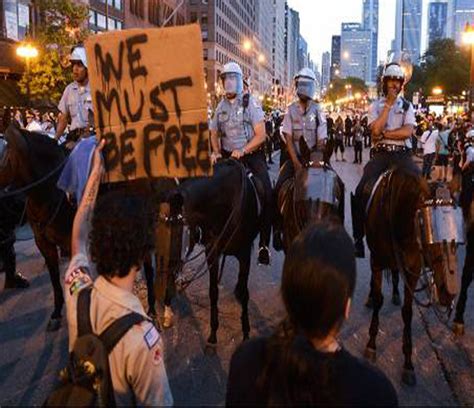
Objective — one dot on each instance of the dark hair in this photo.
(122, 232)
(319, 277)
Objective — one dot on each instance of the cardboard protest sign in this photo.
(150, 102)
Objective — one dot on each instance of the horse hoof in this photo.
(370, 354)
(458, 329)
(54, 324)
(396, 299)
(369, 303)
(409, 377)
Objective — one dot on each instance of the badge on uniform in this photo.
(151, 337)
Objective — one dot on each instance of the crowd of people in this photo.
(33, 120)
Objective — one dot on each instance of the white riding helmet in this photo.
(394, 71)
(305, 73)
(232, 79)
(305, 84)
(232, 68)
(79, 54)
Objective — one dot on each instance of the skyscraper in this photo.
(325, 69)
(278, 42)
(408, 28)
(292, 35)
(335, 56)
(355, 51)
(302, 53)
(370, 21)
(437, 20)
(460, 12)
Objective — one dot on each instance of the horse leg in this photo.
(214, 297)
(50, 254)
(467, 276)
(377, 299)
(395, 292)
(149, 277)
(369, 303)
(408, 376)
(242, 292)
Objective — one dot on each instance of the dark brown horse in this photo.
(313, 194)
(33, 159)
(393, 237)
(224, 208)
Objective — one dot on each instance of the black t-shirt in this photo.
(355, 382)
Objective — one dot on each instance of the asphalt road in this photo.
(30, 358)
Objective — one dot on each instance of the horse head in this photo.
(27, 156)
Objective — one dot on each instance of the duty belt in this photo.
(76, 134)
(390, 148)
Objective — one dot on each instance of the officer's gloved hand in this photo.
(215, 157)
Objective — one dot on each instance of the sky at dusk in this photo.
(321, 19)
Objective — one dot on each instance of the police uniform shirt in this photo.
(397, 118)
(137, 362)
(309, 123)
(234, 124)
(470, 154)
(77, 102)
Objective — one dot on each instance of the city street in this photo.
(30, 358)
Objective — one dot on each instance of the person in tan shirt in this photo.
(120, 229)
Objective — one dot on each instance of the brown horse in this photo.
(313, 194)
(393, 237)
(33, 161)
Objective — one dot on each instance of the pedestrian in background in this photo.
(348, 130)
(303, 363)
(442, 151)
(428, 140)
(339, 138)
(358, 132)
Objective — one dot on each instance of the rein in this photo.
(212, 252)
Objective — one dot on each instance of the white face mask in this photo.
(233, 84)
(305, 88)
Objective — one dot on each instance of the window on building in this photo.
(111, 23)
(92, 17)
(204, 35)
(204, 18)
(205, 54)
(101, 22)
(154, 12)
(118, 4)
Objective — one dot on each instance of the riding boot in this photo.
(357, 227)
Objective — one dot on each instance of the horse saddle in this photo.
(258, 189)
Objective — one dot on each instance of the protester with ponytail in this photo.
(303, 362)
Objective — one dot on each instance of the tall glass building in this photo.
(460, 12)
(370, 19)
(437, 21)
(408, 28)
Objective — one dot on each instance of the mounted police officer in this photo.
(75, 105)
(11, 209)
(304, 119)
(391, 120)
(238, 131)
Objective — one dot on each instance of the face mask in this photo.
(305, 88)
(233, 84)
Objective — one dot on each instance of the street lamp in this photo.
(468, 38)
(437, 90)
(345, 55)
(247, 45)
(27, 52)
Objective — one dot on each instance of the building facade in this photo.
(280, 75)
(437, 20)
(302, 52)
(325, 70)
(408, 28)
(370, 22)
(293, 33)
(335, 56)
(355, 51)
(460, 12)
(262, 82)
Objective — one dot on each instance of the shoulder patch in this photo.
(151, 337)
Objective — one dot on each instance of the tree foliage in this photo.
(338, 89)
(445, 65)
(63, 23)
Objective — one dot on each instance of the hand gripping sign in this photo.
(150, 102)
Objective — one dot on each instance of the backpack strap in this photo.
(84, 325)
(115, 331)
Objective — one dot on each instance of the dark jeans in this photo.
(347, 139)
(257, 164)
(358, 151)
(427, 164)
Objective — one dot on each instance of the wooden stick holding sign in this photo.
(150, 102)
